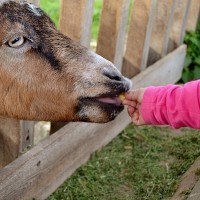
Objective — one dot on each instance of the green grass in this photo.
(142, 163)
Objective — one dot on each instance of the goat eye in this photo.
(16, 42)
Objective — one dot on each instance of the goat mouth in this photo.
(106, 99)
(107, 107)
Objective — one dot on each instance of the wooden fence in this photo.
(149, 50)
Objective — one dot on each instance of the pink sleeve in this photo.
(177, 106)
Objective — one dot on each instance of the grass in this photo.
(142, 163)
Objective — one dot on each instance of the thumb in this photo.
(135, 95)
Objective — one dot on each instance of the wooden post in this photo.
(164, 11)
(76, 20)
(26, 135)
(9, 140)
(193, 15)
(184, 24)
(112, 30)
(179, 24)
(139, 35)
(168, 31)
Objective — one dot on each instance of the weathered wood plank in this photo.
(26, 135)
(164, 10)
(165, 71)
(169, 28)
(193, 15)
(139, 35)
(184, 24)
(37, 173)
(195, 194)
(179, 24)
(76, 20)
(9, 140)
(112, 31)
(15, 138)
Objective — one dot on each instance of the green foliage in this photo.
(96, 18)
(51, 7)
(191, 69)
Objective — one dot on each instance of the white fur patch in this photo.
(34, 9)
(3, 1)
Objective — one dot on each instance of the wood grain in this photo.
(168, 31)
(195, 194)
(26, 135)
(179, 24)
(9, 140)
(164, 10)
(37, 173)
(193, 15)
(139, 35)
(76, 20)
(112, 31)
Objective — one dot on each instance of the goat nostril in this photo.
(113, 75)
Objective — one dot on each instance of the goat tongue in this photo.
(110, 100)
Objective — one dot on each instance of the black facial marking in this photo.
(50, 57)
(115, 88)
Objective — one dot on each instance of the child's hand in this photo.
(133, 100)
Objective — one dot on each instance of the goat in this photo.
(44, 75)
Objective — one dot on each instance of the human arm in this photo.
(177, 106)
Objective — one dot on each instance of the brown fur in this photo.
(51, 77)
